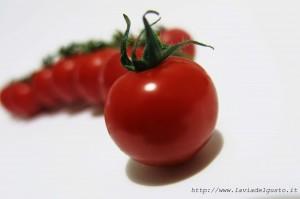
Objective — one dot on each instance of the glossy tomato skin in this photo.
(112, 71)
(44, 88)
(22, 101)
(177, 35)
(164, 115)
(64, 78)
(87, 74)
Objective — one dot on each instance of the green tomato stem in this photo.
(154, 52)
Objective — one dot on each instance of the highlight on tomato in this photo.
(164, 109)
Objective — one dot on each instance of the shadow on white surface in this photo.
(98, 110)
(75, 108)
(155, 176)
(71, 110)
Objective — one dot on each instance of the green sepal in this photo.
(154, 51)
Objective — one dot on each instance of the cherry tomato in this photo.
(44, 88)
(113, 70)
(64, 78)
(177, 35)
(87, 74)
(164, 115)
(6, 98)
(19, 98)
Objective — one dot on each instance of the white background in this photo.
(255, 68)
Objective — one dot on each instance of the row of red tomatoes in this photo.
(82, 78)
(160, 109)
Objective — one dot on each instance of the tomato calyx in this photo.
(154, 52)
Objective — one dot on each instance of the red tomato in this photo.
(20, 100)
(63, 76)
(176, 35)
(163, 115)
(112, 71)
(87, 73)
(6, 98)
(44, 88)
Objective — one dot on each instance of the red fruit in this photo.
(6, 98)
(20, 100)
(87, 73)
(164, 115)
(112, 71)
(44, 88)
(176, 35)
(165, 108)
(63, 76)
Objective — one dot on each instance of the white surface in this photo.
(255, 68)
